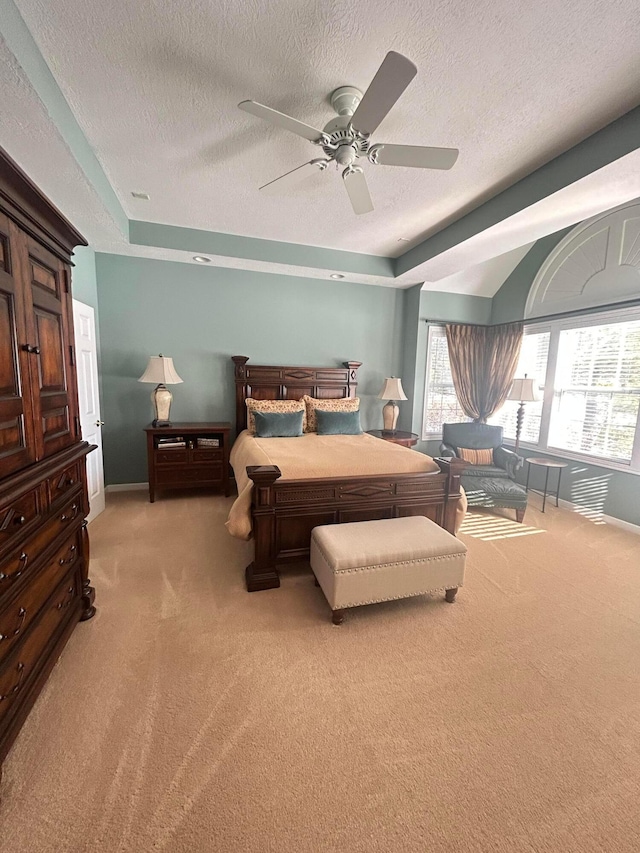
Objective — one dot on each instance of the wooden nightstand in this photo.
(406, 439)
(185, 456)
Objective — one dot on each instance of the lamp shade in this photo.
(392, 390)
(524, 390)
(160, 370)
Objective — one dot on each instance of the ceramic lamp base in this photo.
(161, 398)
(390, 414)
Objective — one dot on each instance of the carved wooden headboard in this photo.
(275, 382)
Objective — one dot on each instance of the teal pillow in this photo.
(278, 424)
(338, 423)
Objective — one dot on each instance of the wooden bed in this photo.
(284, 512)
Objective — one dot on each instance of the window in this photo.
(441, 403)
(596, 392)
(588, 371)
(532, 363)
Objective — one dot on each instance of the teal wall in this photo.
(201, 316)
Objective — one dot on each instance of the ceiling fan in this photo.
(348, 137)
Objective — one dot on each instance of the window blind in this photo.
(441, 403)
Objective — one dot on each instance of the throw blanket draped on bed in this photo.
(322, 456)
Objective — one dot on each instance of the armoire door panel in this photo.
(51, 358)
(17, 447)
(51, 373)
(44, 277)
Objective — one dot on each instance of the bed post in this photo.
(240, 379)
(352, 367)
(453, 468)
(262, 573)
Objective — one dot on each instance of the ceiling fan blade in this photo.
(356, 184)
(281, 120)
(392, 78)
(416, 156)
(292, 178)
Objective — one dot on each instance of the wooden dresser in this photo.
(44, 548)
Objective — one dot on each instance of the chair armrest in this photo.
(447, 451)
(508, 460)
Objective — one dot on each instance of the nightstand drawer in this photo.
(199, 456)
(171, 457)
(196, 474)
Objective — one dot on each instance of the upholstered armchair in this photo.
(487, 483)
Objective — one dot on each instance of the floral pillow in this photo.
(343, 404)
(279, 406)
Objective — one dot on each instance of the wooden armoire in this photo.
(44, 548)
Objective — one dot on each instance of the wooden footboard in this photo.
(285, 512)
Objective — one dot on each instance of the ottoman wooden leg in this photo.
(337, 617)
(450, 595)
(520, 515)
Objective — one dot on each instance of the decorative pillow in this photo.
(278, 424)
(343, 404)
(476, 457)
(272, 406)
(338, 423)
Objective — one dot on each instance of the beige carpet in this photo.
(192, 716)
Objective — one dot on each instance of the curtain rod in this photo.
(596, 309)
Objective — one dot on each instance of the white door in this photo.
(89, 401)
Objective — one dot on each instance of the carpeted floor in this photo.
(192, 716)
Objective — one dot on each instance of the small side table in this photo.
(188, 455)
(548, 464)
(406, 439)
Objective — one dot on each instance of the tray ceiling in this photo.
(154, 87)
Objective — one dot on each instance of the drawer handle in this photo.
(19, 519)
(74, 513)
(30, 348)
(17, 685)
(61, 604)
(24, 559)
(21, 616)
(70, 559)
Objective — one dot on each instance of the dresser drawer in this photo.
(63, 483)
(211, 473)
(19, 562)
(16, 618)
(198, 456)
(170, 457)
(23, 662)
(16, 515)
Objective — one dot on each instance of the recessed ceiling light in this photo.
(144, 196)
(201, 259)
(336, 275)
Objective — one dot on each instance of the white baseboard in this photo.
(126, 487)
(608, 519)
(625, 525)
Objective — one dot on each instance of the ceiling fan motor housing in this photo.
(342, 139)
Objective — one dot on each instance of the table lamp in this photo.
(392, 391)
(160, 369)
(525, 391)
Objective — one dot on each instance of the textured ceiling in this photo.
(154, 85)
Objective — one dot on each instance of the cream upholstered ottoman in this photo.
(369, 561)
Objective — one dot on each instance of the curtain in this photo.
(483, 363)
